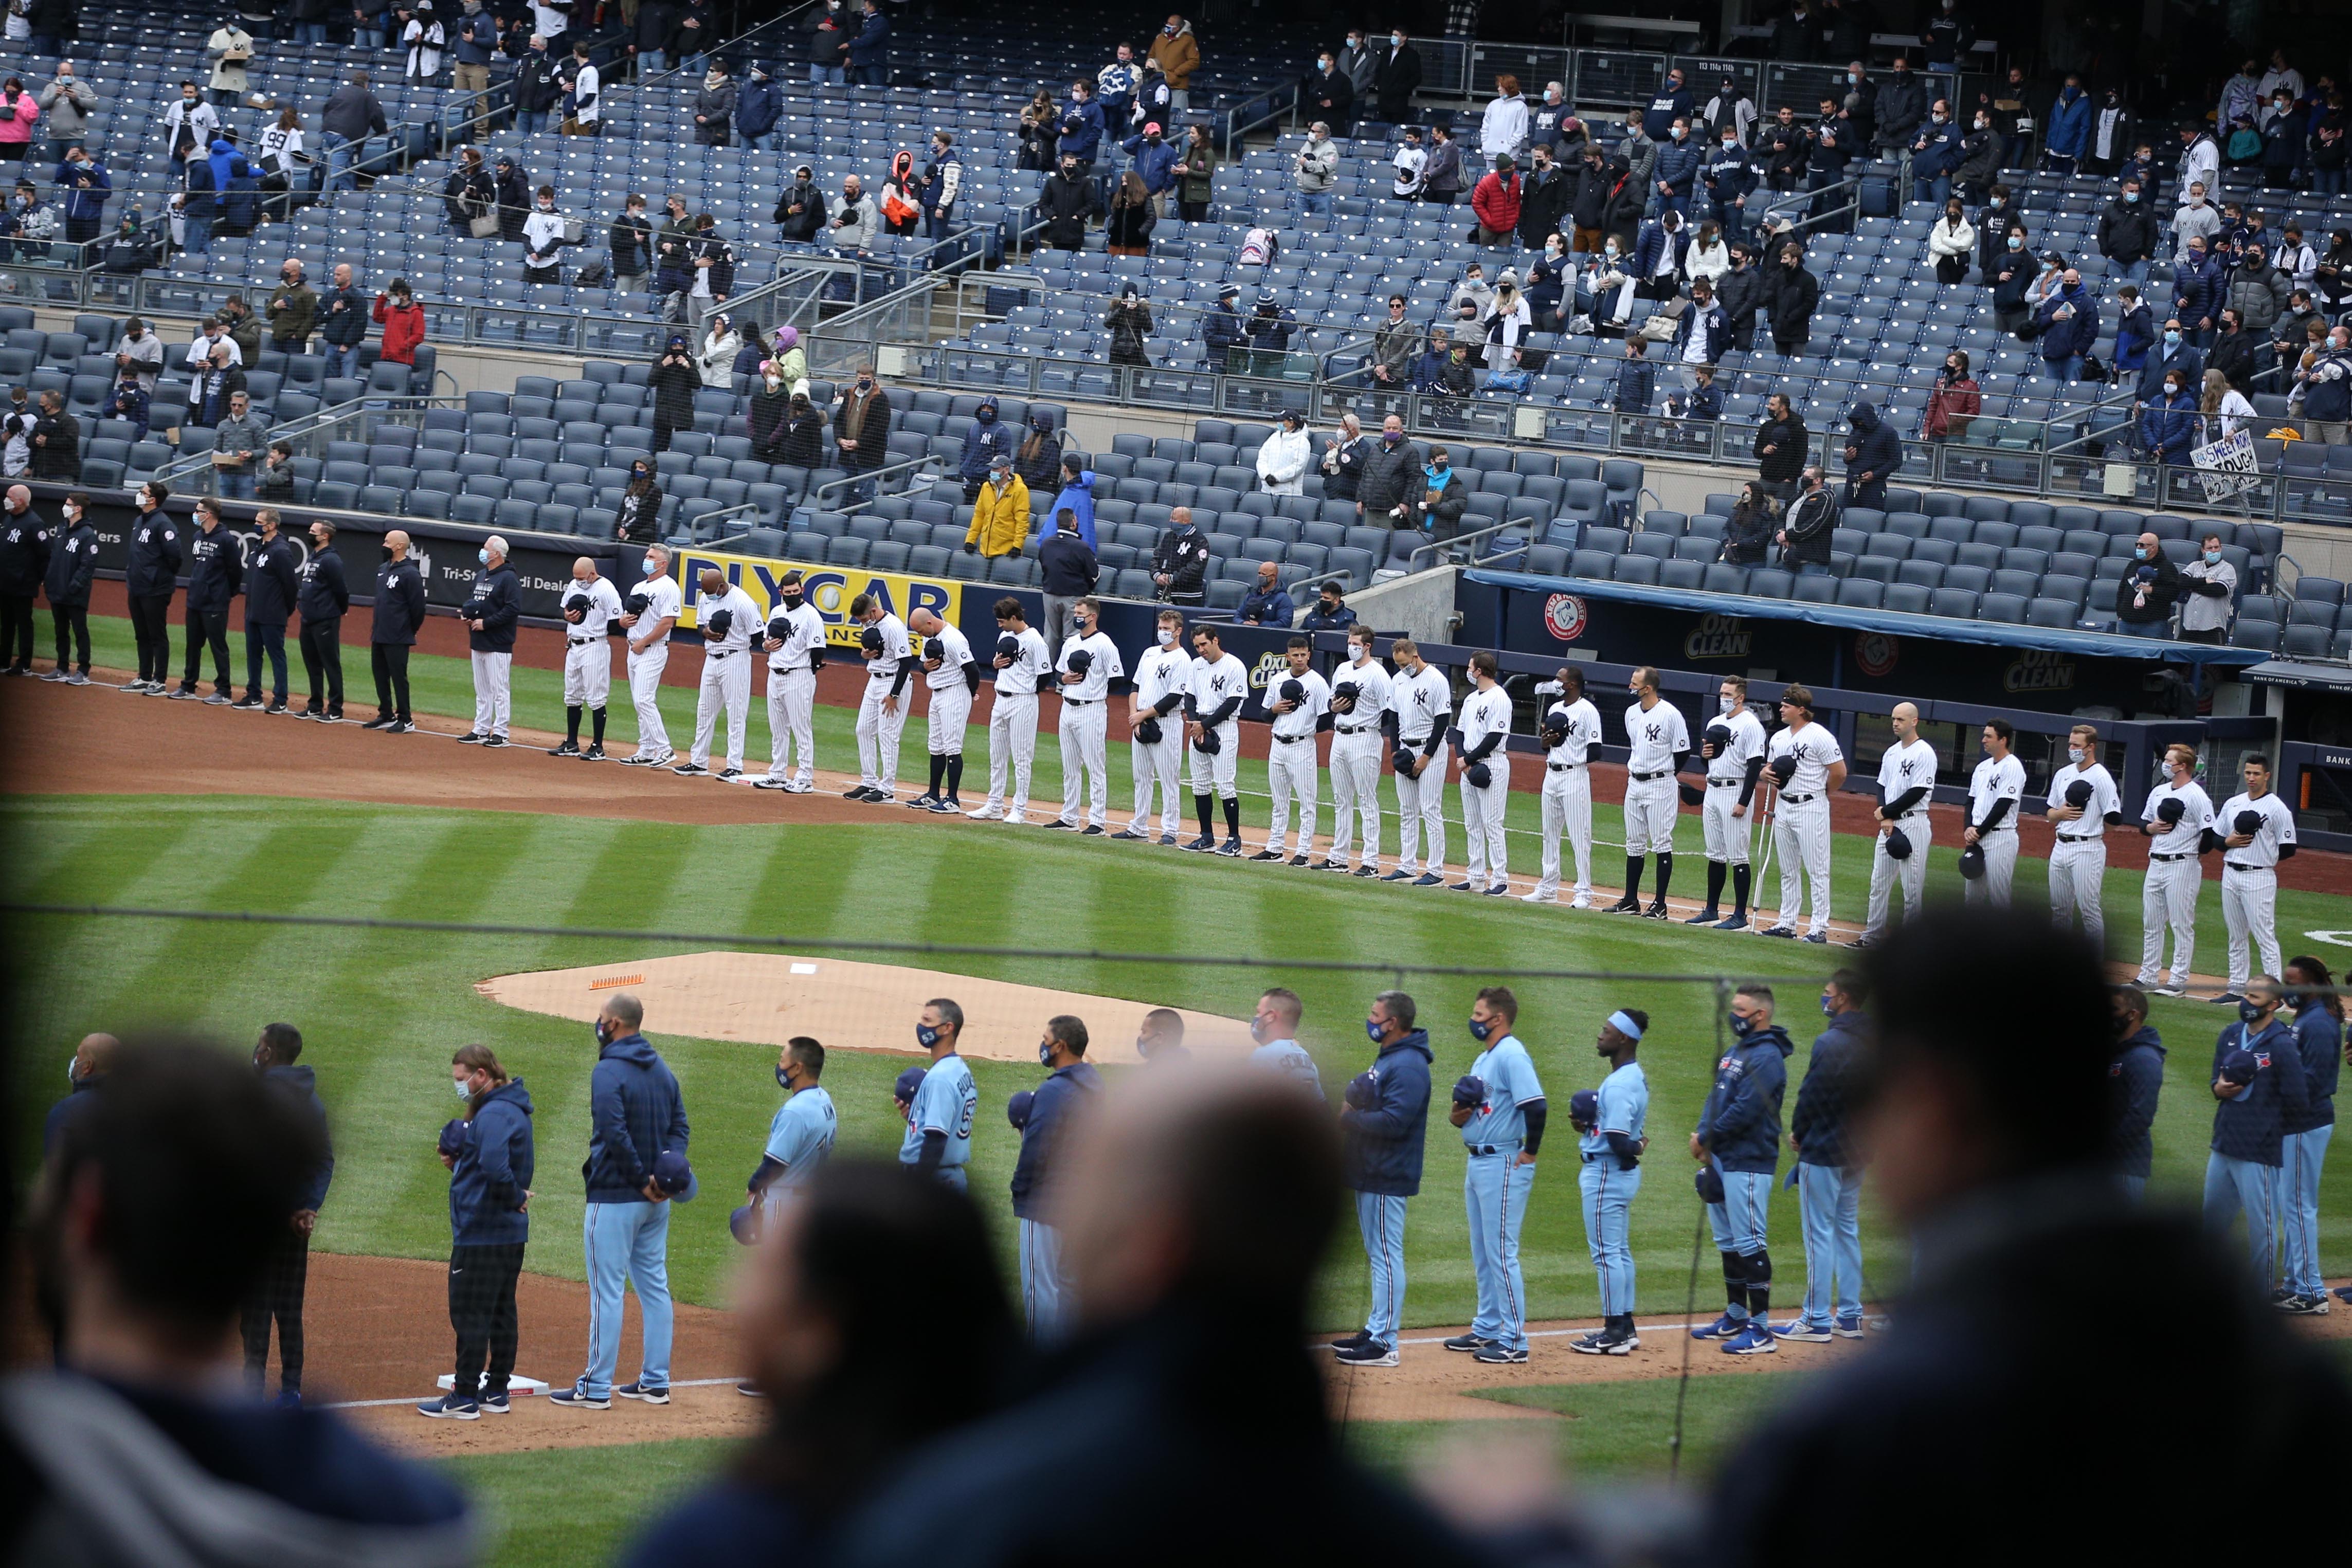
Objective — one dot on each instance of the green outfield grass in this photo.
(566, 1508)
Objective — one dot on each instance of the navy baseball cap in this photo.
(1584, 1107)
(744, 1224)
(2240, 1067)
(1017, 1110)
(671, 1172)
(1709, 1183)
(909, 1081)
(453, 1136)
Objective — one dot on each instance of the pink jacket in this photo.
(20, 128)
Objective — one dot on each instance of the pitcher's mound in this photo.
(767, 997)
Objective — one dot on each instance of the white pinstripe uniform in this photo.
(1996, 778)
(1567, 800)
(878, 728)
(1800, 822)
(1213, 686)
(2249, 883)
(1085, 727)
(951, 706)
(1726, 774)
(1164, 671)
(1906, 766)
(792, 695)
(588, 647)
(1421, 702)
(2078, 860)
(2168, 896)
(1657, 735)
(1486, 714)
(1356, 759)
(663, 600)
(1291, 770)
(1012, 727)
(726, 674)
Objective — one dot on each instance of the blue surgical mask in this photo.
(2250, 1012)
(1852, 80)
(2016, 242)
(2171, 339)
(652, 566)
(2139, 552)
(783, 1082)
(459, 1085)
(483, 555)
(1481, 1031)
(2213, 558)
(1741, 1027)
(1372, 1030)
(926, 1036)
(2131, 195)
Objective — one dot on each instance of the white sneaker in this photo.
(1015, 819)
(1581, 901)
(984, 813)
(1538, 898)
(799, 786)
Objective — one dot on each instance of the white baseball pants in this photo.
(1156, 764)
(1651, 806)
(1012, 743)
(1885, 871)
(1487, 855)
(1356, 791)
(792, 734)
(950, 710)
(2250, 911)
(1800, 837)
(1085, 732)
(726, 683)
(1726, 835)
(587, 671)
(2168, 897)
(1567, 809)
(493, 700)
(877, 734)
(2077, 868)
(1216, 774)
(644, 695)
(1421, 814)
(2001, 869)
(1291, 775)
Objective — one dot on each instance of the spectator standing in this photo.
(1496, 200)
(1397, 78)
(342, 317)
(1000, 513)
(672, 384)
(1329, 94)
(714, 106)
(1442, 179)
(274, 481)
(2209, 593)
(426, 39)
(1316, 169)
(1069, 571)
(238, 442)
(1344, 453)
(1180, 560)
(1285, 457)
(542, 239)
(943, 184)
(1951, 244)
(1074, 503)
(2225, 408)
(2069, 319)
(2234, 351)
(1127, 228)
(1503, 129)
(67, 101)
(630, 243)
(637, 520)
(1129, 320)
(1782, 448)
(582, 103)
(292, 312)
(1795, 295)
(402, 320)
(1754, 519)
(139, 353)
(86, 184)
(538, 85)
(1955, 401)
(230, 48)
(1391, 470)
(1066, 201)
(759, 104)
(770, 406)
(2126, 234)
(352, 115)
(1038, 459)
(1874, 454)
(1196, 174)
(800, 210)
(861, 430)
(856, 222)
(1175, 53)
(985, 439)
(476, 42)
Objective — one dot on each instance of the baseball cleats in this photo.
(492, 742)
(1497, 889)
(923, 802)
(949, 807)
(468, 739)
(639, 1391)
(725, 774)
(1366, 869)
(985, 813)
(691, 769)
(1167, 841)
(1864, 941)
(1231, 848)
(1801, 1331)
(577, 1399)
(1300, 859)
(449, 1407)
(1129, 835)
(1059, 826)
(1012, 818)
(1789, 932)
(1371, 1352)
(1398, 876)
(1502, 1354)
(1203, 844)
(1350, 1341)
(750, 1390)
(1657, 910)
(1467, 1344)
(1707, 916)
(1735, 923)
(1752, 1340)
(1539, 897)
(1614, 1337)
(1092, 831)
(2343, 1293)
(1429, 879)
(2177, 989)
(1847, 1328)
(595, 752)
(52, 675)
(1267, 855)
(769, 782)
(81, 678)
(496, 1404)
(2226, 999)
(1462, 887)
(133, 688)
(1724, 1327)
(1330, 865)
(1581, 901)
(856, 792)
(1818, 938)
(569, 748)
(2303, 1306)
(1629, 905)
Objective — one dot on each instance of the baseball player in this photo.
(1486, 780)
(1023, 667)
(1384, 1123)
(1660, 740)
(882, 711)
(590, 608)
(725, 616)
(1737, 1145)
(2175, 819)
(1275, 1027)
(1569, 728)
(2304, 1134)
(1828, 1169)
(1219, 684)
(1906, 784)
(2083, 804)
(1420, 702)
(1994, 791)
(1733, 749)
(793, 640)
(1162, 678)
(1360, 711)
(648, 615)
(1609, 1123)
(1499, 1107)
(939, 1113)
(800, 1134)
(953, 677)
(2135, 1080)
(1044, 1122)
(1298, 702)
(1089, 663)
(1807, 768)
(2258, 1078)
(1161, 1038)
(2254, 831)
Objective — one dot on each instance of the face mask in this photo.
(70, 1078)
(1983, 125)
(1938, 118)
(2139, 552)
(1828, 1007)
(2000, 202)
(926, 1036)
(1324, 66)
(2250, 1012)
(2213, 558)
(1481, 1031)
(1852, 80)
(1372, 1030)
(2016, 243)
(597, 1028)
(652, 566)
(2075, 755)
(1731, 144)
(1167, 638)
(459, 1085)
(1045, 1053)
(1390, 437)
(2173, 337)
(483, 555)
(1680, 133)
(387, 552)
(1611, 252)
(1397, 39)
(987, 416)
(1741, 1027)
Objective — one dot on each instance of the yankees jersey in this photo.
(1656, 735)
(1995, 780)
(800, 1139)
(1581, 721)
(1486, 713)
(1908, 765)
(1301, 720)
(663, 598)
(1026, 677)
(1215, 684)
(945, 1103)
(1729, 766)
(2278, 828)
(741, 616)
(1421, 702)
(955, 652)
(1509, 1074)
(1161, 674)
(1371, 685)
(1624, 1107)
(1289, 1058)
(2196, 816)
(1102, 666)
(1814, 749)
(2104, 799)
(802, 633)
(894, 648)
(603, 604)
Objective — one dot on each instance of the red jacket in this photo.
(1496, 202)
(403, 329)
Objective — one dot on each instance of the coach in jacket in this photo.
(1383, 1124)
(272, 583)
(73, 561)
(491, 608)
(323, 598)
(399, 611)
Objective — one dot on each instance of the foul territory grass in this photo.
(559, 1507)
(381, 1011)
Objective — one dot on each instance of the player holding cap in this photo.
(2256, 831)
(1733, 749)
(1384, 1123)
(1995, 789)
(882, 710)
(1071, 1083)
(1023, 667)
(1610, 1124)
(590, 606)
(954, 680)
(1297, 701)
(1737, 1145)
(1660, 740)
(647, 615)
(1359, 717)
(940, 1114)
(1219, 684)
(725, 616)
(1906, 784)
(1420, 701)
(1156, 742)
(1486, 781)
(1499, 1106)
(1275, 1027)
(1569, 728)
(1808, 769)
(1829, 1168)
(793, 640)
(2175, 819)
(2082, 805)
(1089, 663)
(800, 1134)
(2258, 1079)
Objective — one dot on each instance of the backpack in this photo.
(591, 276)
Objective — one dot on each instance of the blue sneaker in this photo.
(1848, 1328)
(1724, 1327)
(450, 1407)
(1429, 879)
(1752, 1340)
(495, 1404)
(1801, 1331)
(576, 1400)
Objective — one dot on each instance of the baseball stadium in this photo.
(934, 937)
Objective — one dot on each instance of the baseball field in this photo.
(133, 803)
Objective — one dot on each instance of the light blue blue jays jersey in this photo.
(946, 1102)
(1288, 1057)
(800, 1139)
(1509, 1074)
(1624, 1108)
